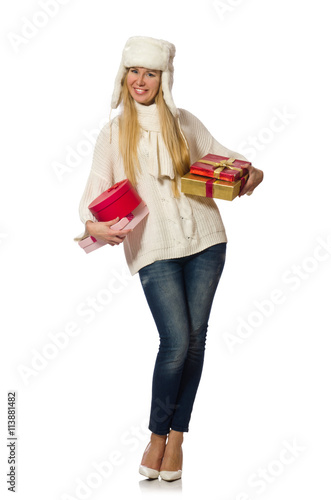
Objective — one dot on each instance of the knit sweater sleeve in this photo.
(101, 176)
(200, 140)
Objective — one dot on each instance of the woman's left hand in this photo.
(255, 176)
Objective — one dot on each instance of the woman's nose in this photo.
(140, 80)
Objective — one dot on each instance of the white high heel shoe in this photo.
(172, 475)
(147, 472)
(168, 475)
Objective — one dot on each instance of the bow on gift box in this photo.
(115, 186)
(221, 165)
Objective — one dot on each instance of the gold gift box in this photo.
(200, 186)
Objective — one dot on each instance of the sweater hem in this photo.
(176, 252)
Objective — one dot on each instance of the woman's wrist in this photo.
(88, 224)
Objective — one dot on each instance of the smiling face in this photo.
(143, 84)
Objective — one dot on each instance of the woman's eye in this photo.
(136, 72)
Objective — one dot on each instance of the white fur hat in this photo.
(151, 53)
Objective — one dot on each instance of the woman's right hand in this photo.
(103, 231)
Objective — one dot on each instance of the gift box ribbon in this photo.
(210, 182)
(209, 188)
(115, 186)
(221, 165)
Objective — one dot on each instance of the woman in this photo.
(179, 248)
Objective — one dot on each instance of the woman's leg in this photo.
(163, 284)
(173, 453)
(180, 293)
(154, 452)
(201, 277)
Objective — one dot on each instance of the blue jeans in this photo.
(180, 293)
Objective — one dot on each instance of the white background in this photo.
(240, 64)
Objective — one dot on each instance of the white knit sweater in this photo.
(174, 227)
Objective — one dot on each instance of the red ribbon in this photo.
(243, 182)
(210, 182)
(114, 186)
(209, 188)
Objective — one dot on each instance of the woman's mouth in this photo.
(139, 91)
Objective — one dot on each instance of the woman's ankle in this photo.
(160, 438)
(176, 437)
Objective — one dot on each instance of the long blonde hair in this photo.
(129, 135)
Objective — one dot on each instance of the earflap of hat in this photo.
(118, 86)
(167, 81)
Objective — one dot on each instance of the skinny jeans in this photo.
(180, 294)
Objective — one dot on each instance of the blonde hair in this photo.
(129, 135)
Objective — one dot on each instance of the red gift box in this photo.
(121, 200)
(220, 167)
(117, 201)
(130, 221)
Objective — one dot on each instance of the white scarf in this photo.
(159, 160)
